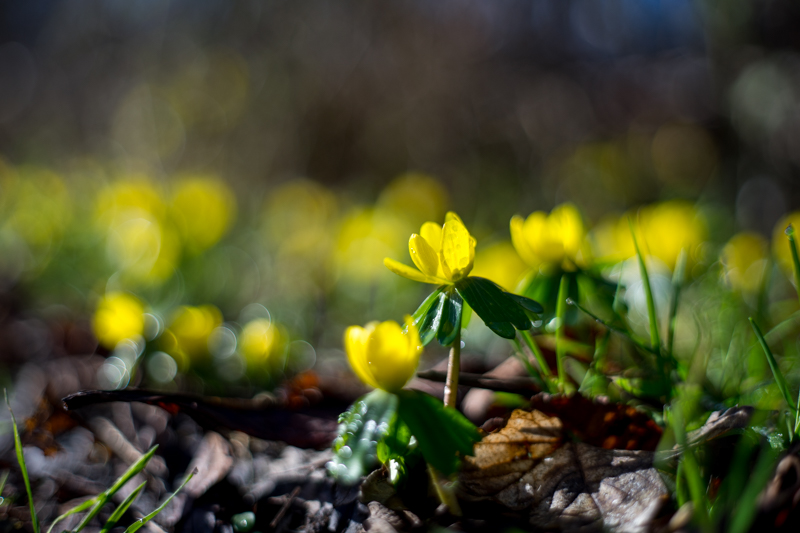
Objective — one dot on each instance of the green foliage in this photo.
(22, 467)
(361, 427)
(442, 433)
(501, 311)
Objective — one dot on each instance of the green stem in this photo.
(795, 258)
(453, 367)
(677, 285)
(561, 312)
(537, 353)
(655, 342)
(444, 490)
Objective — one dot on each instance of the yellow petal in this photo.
(355, 344)
(458, 249)
(426, 259)
(392, 355)
(521, 243)
(407, 272)
(432, 233)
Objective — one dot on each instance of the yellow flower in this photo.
(745, 260)
(554, 239)
(382, 355)
(500, 263)
(780, 242)
(663, 230)
(119, 316)
(443, 254)
(203, 209)
(188, 333)
(259, 340)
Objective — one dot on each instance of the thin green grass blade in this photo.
(655, 342)
(780, 381)
(532, 370)
(106, 495)
(77, 509)
(691, 471)
(120, 510)
(795, 258)
(537, 353)
(3, 479)
(22, 467)
(745, 510)
(142, 521)
(639, 344)
(677, 285)
(561, 313)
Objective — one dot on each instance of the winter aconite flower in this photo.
(554, 239)
(745, 261)
(443, 254)
(383, 355)
(119, 316)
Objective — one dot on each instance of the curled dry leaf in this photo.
(526, 466)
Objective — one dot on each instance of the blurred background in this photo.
(203, 192)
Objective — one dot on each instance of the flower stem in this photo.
(453, 367)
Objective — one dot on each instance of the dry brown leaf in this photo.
(527, 467)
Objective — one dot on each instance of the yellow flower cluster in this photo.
(554, 239)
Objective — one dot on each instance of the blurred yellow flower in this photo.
(365, 236)
(203, 209)
(141, 243)
(500, 263)
(414, 196)
(554, 239)
(188, 332)
(382, 355)
(663, 230)
(443, 254)
(259, 340)
(745, 260)
(39, 205)
(780, 242)
(119, 316)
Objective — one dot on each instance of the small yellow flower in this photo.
(443, 254)
(119, 316)
(554, 239)
(203, 209)
(260, 339)
(382, 355)
(745, 261)
(186, 338)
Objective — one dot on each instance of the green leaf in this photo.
(642, 387)
(422, 310)
(360, 428)
(450, 323)
(442, 433)
(502, 329)
(395, 443)
(497, 308)
(120, 510)
(526, 303)
(429, 325)
(22, 467)
(133, 528)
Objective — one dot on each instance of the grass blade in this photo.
(120, 510)
(690, 469)
(795, 258)
(561, 312)
(655, 342)
(77, 509)
(745, 510)
(773, 364)
(677, 285)
(22, 467)
(537, 353)
(639, 344)
(104, 496)
(142, 521)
